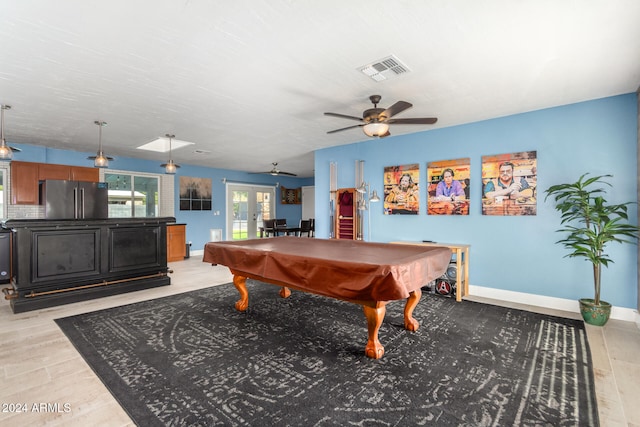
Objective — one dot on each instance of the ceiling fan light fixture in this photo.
(375, 129)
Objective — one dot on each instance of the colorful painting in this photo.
(195, 194)
(509, 184)
(449, 186)
(402, 190)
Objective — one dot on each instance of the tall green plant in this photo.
(590, 222)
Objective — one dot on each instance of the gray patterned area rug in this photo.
(192, 359)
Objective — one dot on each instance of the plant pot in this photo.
(593, 314)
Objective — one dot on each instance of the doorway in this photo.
(247, 207)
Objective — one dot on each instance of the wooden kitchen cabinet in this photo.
(51, 171)
(26, 176)
(80, 173)
(176, 242)
(66, 172)
(24, 183)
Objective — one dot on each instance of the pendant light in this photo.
(170, 167)
(6, 152)
(100, 160)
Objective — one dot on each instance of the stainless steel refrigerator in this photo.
(75, 199)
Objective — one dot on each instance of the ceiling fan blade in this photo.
(415, 121)
(348, 127)
(344, 116)
(396, 108)
(274, 173)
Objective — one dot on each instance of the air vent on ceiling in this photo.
(384, 69)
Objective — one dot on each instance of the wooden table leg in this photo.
(240, 282)
(466, 271)
(460, 291)
(285, 292)
(410, 323)
(375, 316)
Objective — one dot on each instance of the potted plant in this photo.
(590, 223)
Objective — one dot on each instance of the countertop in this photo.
(41, 222)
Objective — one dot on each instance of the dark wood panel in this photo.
(135, 248)
(62, 261)
(67, 254)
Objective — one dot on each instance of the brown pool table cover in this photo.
(343, 269)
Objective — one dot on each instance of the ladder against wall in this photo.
(346, 214)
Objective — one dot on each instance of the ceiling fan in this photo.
(376, 121)
(275, 171)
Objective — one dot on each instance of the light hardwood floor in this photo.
(42, 372)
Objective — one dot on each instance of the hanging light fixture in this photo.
(375, 129)
(170, 167)
(6, 152)
(100, 160)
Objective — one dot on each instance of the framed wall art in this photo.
(449, 183)
(195, 194)
(402, 190)
(509, 184)
(290, 196)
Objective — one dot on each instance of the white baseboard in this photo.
(197, 252)
(619, 313)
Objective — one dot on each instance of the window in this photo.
(133, 195)
(248, 206)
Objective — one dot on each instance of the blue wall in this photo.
(512, 253)
(198, 222)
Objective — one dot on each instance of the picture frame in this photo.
(195, 194)
(509, 184)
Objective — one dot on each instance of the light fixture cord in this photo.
(100, 124)
(100, 138)
(4, 107)
(170, 157)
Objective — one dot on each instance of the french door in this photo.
(247, 207)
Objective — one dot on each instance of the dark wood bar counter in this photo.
(63, 261)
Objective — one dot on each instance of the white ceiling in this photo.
(248, 80)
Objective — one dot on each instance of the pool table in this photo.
(364, 273)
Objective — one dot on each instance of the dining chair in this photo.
(305, 227)
(268, 227)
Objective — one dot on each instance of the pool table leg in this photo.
(410, 323)
(285, 292)
(240, 282)
(375, 316)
